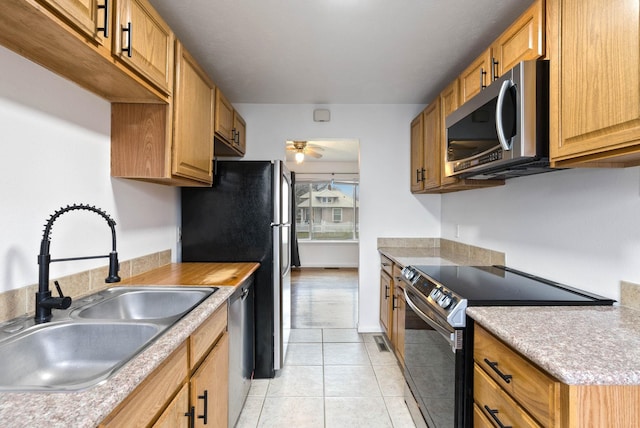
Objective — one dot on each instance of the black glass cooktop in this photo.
(500, 286)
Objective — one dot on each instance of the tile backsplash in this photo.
(21, 301)
(453, 250)
(630, 294)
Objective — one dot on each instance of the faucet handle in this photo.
(65, 302)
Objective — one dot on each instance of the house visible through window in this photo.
(337, 215)
(327, 210)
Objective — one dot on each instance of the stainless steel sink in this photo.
(143, 303)
(88, 342)
(70, 356)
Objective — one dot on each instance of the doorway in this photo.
(324, 283)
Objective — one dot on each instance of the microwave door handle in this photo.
(499, 104)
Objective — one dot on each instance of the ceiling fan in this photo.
(302, 148)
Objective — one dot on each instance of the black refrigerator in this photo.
(246, 217)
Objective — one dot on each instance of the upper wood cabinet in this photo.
(425, 149)
(449, 102)
(239, 132)
(167, 144)
(431, 141)
(523, 40)
(224, 117)
(64, 39)
(92, 17)
(417, 154)
(428, 148)
(230, 127)
(475, 77)
(144, 41)
(594, 49)
(192, 119)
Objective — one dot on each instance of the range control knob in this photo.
(408, 273)
(435, 294)
(445, 300)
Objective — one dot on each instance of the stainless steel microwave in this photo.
(502, 132)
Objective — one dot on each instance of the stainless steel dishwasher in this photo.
(241, 347)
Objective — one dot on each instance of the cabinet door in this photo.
(417, 155)
(523, 40)
(239, 132)
(385, 302)
(449, 102)
(145, 42)
(432, 152)
(475, 77)
(224, 117)
(594, 51)
(210, 387)
(497, 405)
(91, 17)
(399, 311)
(193, 119)
(174, 415)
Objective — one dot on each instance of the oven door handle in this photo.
(448, 335)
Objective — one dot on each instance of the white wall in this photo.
(387, 208)
(580, 227)
(55, 139)
(329, 254)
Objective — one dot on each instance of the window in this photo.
(337, 215)
(326, 210)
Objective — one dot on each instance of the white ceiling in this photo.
(336, 51)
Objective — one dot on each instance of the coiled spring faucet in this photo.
(44, 301)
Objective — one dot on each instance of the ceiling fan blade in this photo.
(313, 154)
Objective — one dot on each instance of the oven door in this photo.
(434, 369)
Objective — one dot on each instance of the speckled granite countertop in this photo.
(89, 407)
(577, 345)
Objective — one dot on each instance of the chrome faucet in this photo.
(44, 301)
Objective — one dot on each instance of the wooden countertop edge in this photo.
(194, 274)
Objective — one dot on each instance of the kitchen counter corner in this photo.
(598, 345)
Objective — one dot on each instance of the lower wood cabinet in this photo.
(399, 311)
(190, 388)
(174, 414)
(392, 305)
(531, 390)
(385, 302)
(508, 388)
(149, 399)
(209, 387)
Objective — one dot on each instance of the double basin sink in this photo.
(85, 344)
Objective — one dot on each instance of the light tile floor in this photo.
(332, 378)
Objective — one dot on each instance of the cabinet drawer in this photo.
(386, 264)
(479, 418)
(150, 398)
(397, 275)
(207, 335)
(537, 392)
(495, 404)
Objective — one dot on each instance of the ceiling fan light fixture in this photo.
(299, 156)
